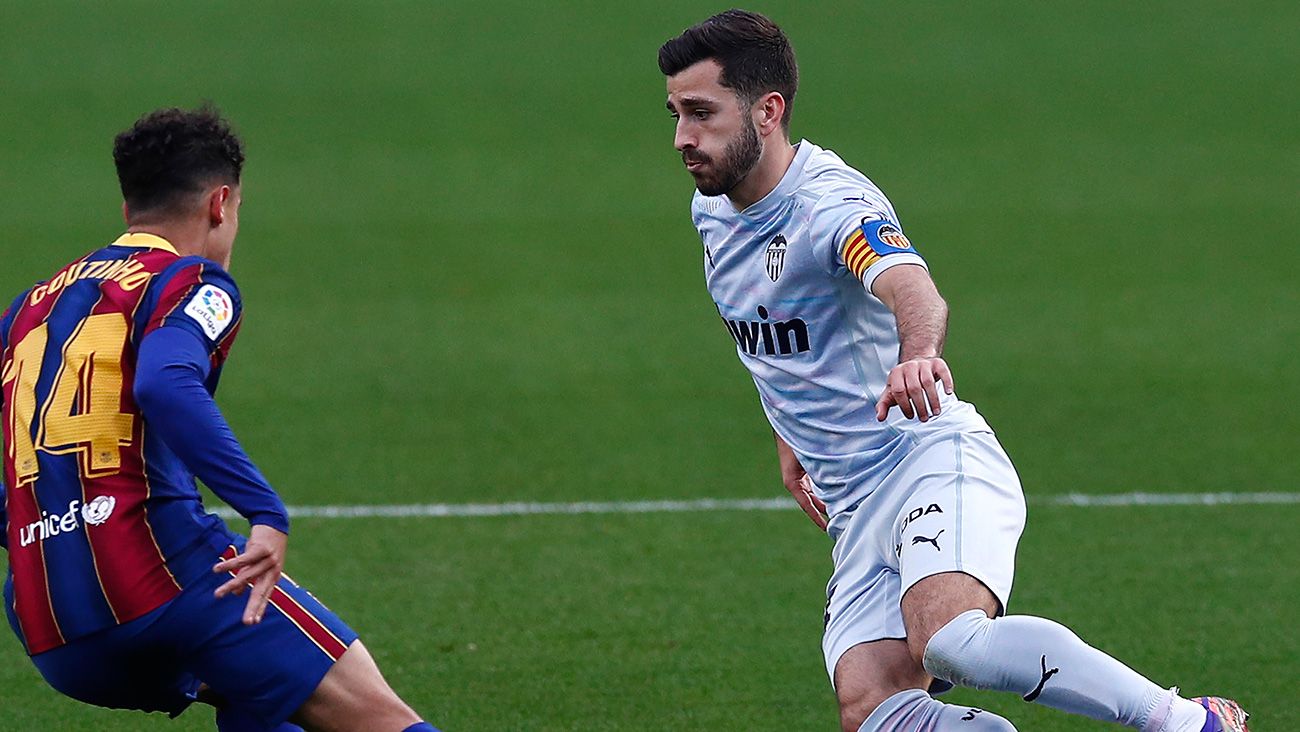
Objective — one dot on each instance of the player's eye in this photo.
(700, 114)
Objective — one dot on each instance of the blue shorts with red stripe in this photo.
(157, 662)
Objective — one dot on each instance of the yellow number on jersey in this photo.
(25, 367)
(81, 413)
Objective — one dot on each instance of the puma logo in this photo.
(918, 539)
(1047, 674)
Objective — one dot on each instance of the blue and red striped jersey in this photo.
(104, 522)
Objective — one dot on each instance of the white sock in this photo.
(1176, 714)
(1044, 662)
(915, 711)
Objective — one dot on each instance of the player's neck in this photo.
(188, 238)
(776, 158)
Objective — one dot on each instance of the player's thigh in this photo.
(270, 669)
(354, 695)
(956, 535)
(869, 673)
(964, 513)
(864, 591)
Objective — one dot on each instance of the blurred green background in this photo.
(470, 276)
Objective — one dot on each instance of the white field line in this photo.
(781, 503)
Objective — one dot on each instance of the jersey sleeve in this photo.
(859, 236)
(198, 296)
(169, 388)
(6, 321)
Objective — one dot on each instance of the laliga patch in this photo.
(212, 309)
(885, 238)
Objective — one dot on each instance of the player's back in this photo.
(100, 514)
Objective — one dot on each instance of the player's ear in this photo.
(768, 112)
(126, 213)
(217, 205)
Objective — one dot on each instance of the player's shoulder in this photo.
(195, 293)
(193, 283)
(831, 185)
(190, 271)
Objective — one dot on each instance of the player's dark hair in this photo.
(170, 154)
(755, 56)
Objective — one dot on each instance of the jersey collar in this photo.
(789, 182)
(148, 241)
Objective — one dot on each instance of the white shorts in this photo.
(954, 504)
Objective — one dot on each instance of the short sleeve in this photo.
(860, 237)
(198, 296)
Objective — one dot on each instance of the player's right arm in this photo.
(796, 480)
(185, 340)
(862, 238)
(921, 317)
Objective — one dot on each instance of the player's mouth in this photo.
(694, 164)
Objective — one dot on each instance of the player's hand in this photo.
(802, 490)
(796, 480)
(911, 388)
(258, 569)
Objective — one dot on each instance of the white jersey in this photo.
(791, 276)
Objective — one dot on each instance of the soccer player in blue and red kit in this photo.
(122, 588)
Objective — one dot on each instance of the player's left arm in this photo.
(922, 318)
(172, 366)
(187, 335)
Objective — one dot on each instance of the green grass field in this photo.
(470, 276)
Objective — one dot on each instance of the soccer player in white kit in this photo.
(835, 316)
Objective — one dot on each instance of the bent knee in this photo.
(858, 705)
(949, 653)
(354, 695)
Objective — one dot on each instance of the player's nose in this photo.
(682, 137)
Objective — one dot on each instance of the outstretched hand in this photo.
(911, 388)
(258, 568)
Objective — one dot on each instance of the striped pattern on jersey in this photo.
(85, 548)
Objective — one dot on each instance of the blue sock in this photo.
(233, 719)
(421, 727)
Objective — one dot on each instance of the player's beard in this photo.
(738, 160)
